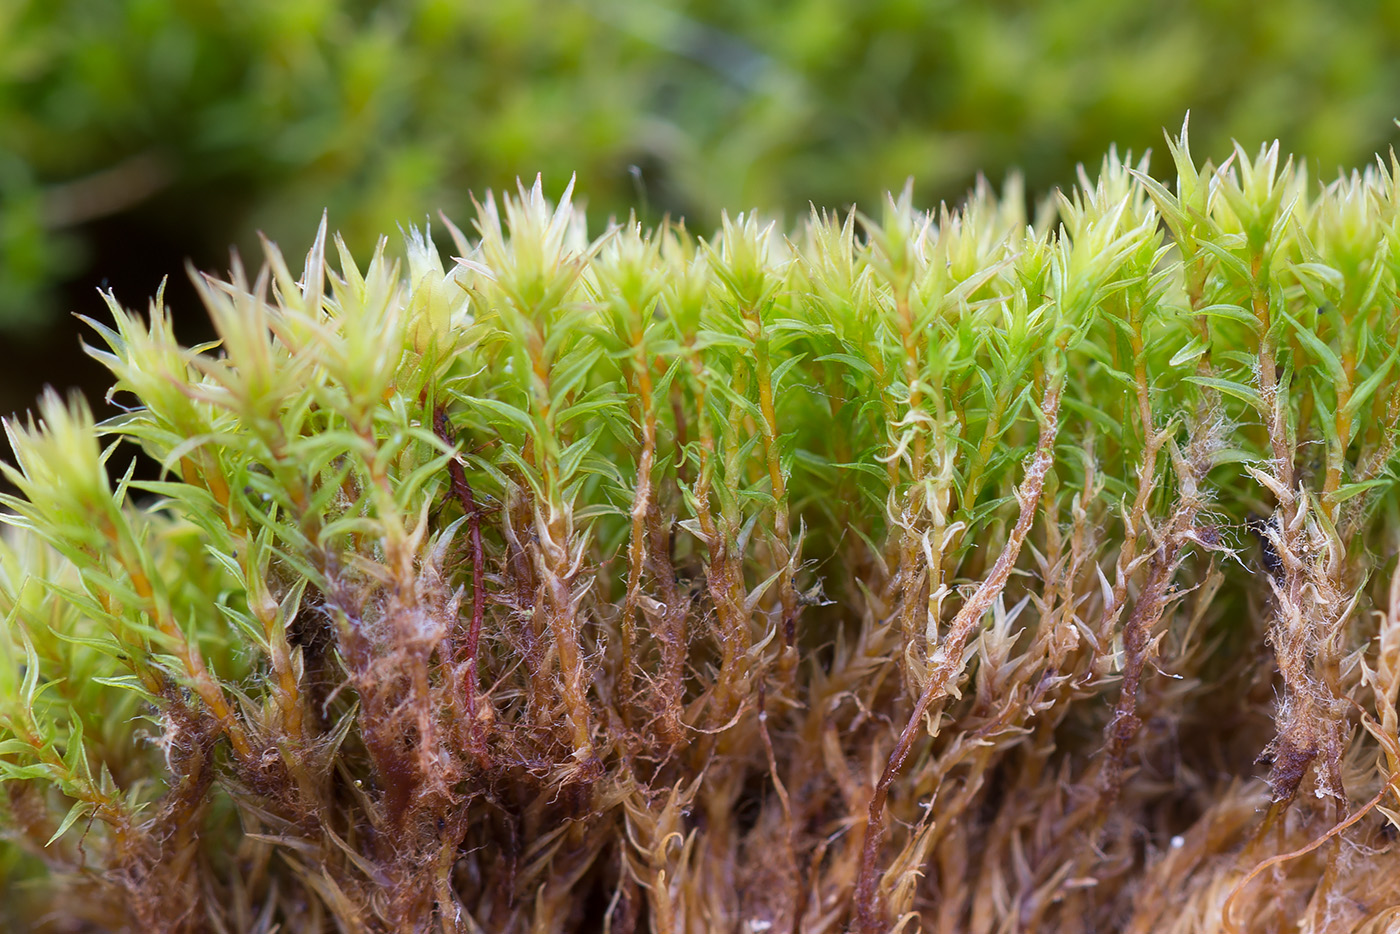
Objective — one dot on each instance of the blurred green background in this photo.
(137, 135)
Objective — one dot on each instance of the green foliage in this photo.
(212, 119)
(483, 595)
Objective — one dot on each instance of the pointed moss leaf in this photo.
(510, 413)
(129, 683)
(1231, 313)
(594, 403)
(1349, 490)
(1247, 394)
(1321, 274)
(1318, 348)
(76, 813)
(708, 339)
(1368, 386)
(782, 369)
(568, 376)
(1193, 349)
(573, 455)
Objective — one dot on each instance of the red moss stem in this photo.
(467, 499)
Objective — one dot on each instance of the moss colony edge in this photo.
(938, 572)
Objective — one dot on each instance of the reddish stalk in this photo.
(671, 635)
(463, 491)
(782, 536)
(641, 507)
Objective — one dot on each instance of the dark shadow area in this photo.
(130, 255)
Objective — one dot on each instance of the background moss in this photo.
(137, 135)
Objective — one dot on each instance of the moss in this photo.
(939, 570)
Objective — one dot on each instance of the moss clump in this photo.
(939, 570)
